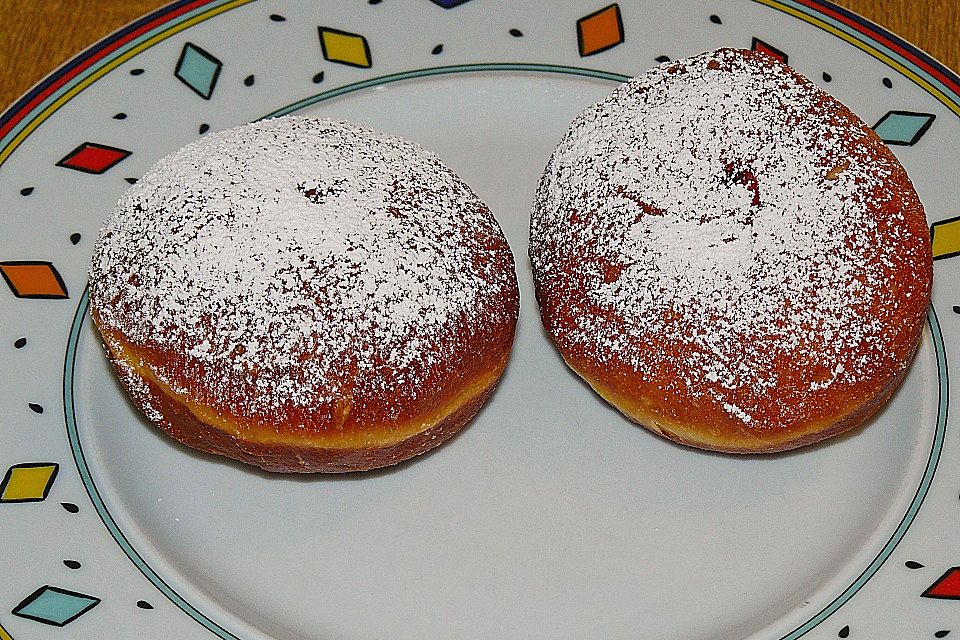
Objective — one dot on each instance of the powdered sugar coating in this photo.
(718, 227)
(289, 265)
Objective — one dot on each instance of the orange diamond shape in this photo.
(28, 279)
(600, 30)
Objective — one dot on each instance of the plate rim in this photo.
(89, 484)
(40, 102)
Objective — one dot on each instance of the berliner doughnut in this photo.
(730, 257)
(305, 295)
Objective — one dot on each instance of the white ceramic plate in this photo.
(550, 516)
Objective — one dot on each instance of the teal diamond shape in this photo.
(198, 69)
(903, 127)
(55, 606)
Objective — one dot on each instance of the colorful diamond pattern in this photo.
(28, 482)
(198, 69)
(947, 586)
(764, 47)
(91, 157)
(55, 606)
(903, 127)
(345, 47)
(33, 279)
(599, 31)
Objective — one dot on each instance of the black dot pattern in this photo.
(26, 191)
(827, 77)
(136, 72)
(845, 632)
(20, 343)
(70, 507)
(36, 408)
(276, 17)
(516, 33)
(715, 19)
(888, 83)
(143, 604)
(71, 564)
(120, 116)
(943, 633)
(131, 180)
(203, 128)
(662, 58)
(910, 564)
(437, 50)
(249, 80)
(318, 78)
(74, 238)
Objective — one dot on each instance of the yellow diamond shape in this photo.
(345, 47)
(945, 238)
(28, 482)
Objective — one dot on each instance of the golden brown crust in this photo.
(660, 371)
(362, 420)
(715, 433)
(305, 295)
(359, 431)
(300, 453)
